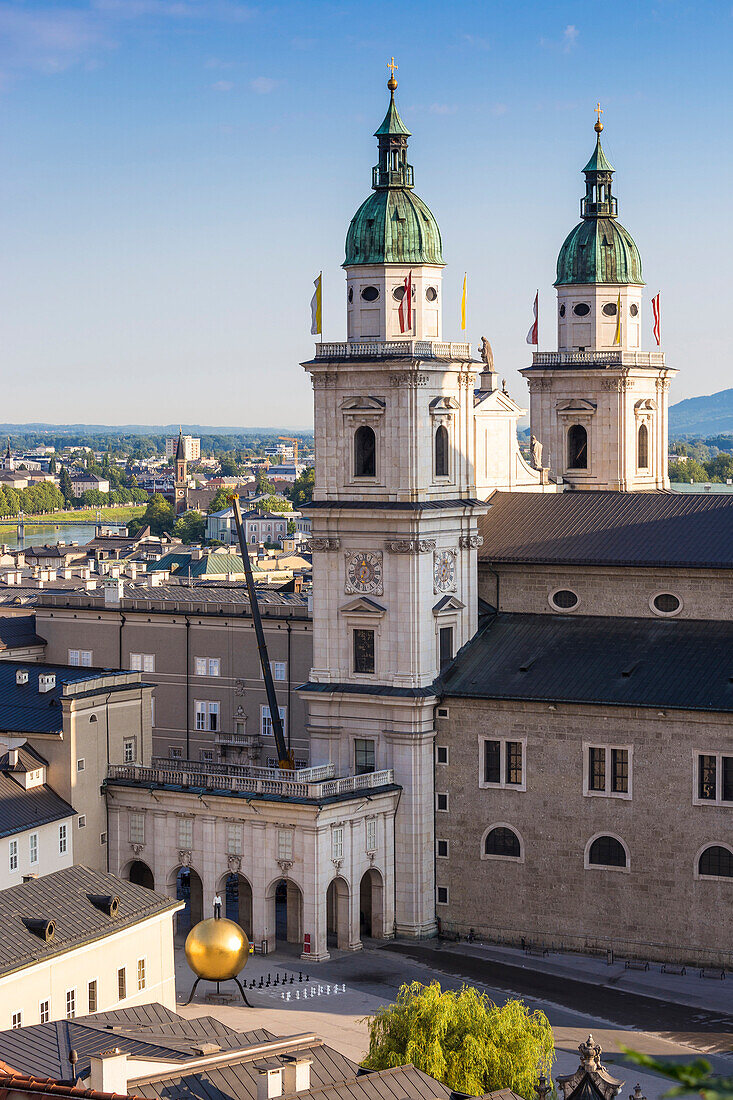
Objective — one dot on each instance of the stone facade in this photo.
(655, 908)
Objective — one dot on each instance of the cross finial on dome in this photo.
(599, 111)
(392, 83)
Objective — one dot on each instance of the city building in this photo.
(191, 447)
(81, 480)
(259, 527)
(79, 941)
(36, 826)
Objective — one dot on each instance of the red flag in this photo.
(532, 334)
(655, 311)
(405, 312)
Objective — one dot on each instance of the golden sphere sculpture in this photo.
(216, 950)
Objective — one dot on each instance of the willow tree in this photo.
(462, 1039)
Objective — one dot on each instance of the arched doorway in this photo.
(286, 914)
(187, 887)
(337, 913)
(371, 904)
(141, 875)
(236, 894)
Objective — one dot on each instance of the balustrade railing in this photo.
(305, 783)
(394, 349)
(598, 358)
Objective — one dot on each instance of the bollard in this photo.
(297, 994)
(300, 976)
(287, 995)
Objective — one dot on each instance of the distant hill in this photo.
(702, 415)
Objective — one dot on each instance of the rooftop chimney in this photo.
(269, 1080)
(108, 1071)
(296, 1074)
(21, 676)
(46, 681)
(114, 590)
(13, 753)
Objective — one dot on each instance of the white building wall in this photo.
(50, 858)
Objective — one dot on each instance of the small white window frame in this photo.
(502, 784)
(605, 866)
(625, 796)
(503, 859)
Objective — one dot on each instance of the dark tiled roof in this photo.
(22, 809)
(28, 760)
(681, 664)
(18, 630)
(63, 896)
(609, 528)
(26, 710)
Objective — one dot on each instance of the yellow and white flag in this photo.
(463, 303)
(317, 307)
(617, 337)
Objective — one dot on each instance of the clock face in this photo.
(444, 570)
(364, 571)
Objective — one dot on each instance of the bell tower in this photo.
(599, 404)
(394, 517)
(181, 479)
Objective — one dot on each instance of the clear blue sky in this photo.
(173, 174)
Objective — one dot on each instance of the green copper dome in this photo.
(393, 226)
(598, 249)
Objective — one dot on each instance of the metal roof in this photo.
(22, 809)
(25, 709)
(676, 663)
(18, 630)
(609, 528)
(64, 897)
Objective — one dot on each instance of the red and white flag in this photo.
(532, 334)
(406, 306)
(655, 311)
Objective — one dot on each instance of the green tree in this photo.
(220, 500)
(695, 1076)
(462, 1039)
(263, 484)
(291, 527)
(65, 484)
(52, 465)
(303, 487)
(190, 527)
(689, 470)
(274, 504)
(158, 515)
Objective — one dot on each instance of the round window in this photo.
(398, 293)
(564, 600)
(351, 294)
(431, 294)
(370, 293)
(666, 603)
(610, 309)
(634, 309)
(582, 309)
(562, 310)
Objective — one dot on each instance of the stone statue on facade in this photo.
(486, 353)
(536, 449)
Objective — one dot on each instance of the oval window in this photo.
(351, 294)
(398, 293)
(666, 603)
(431, 294)
(562, 310)
(564, 600)
(582, 309)
(610, 309)
(370, 293)
(634, 309)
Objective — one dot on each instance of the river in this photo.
(42, 534)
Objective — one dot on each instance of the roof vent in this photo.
(21, 676)
(46, 681)
(44, 929)
(106, 903)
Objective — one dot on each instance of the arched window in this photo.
(441, 452)
(365, 452)
(578, 448)
(502, 841)
(642, 449)
(716, 861)
(606, 851)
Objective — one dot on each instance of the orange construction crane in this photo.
(291, 439)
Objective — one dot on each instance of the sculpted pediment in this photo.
(363, 606)
(364, 403)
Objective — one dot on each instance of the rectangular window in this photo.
(266, 721)
(63, 840)
(81, 764)
(92, 995)
(82, 821)
(442, 712)
(33, 845)
(714, 781)
(279, 670)
(513, 763)
(128, 750)
(137, 828)
(502, 763)
(442, 895)
(207, 715)
(492, 761)
(208, 666)
(140, 974)
(175, 754)
(441, 849)
(44, 1012)
(363, 756)
(607, 770)
(121, 983)
(207, 756)
(70, 1004)
(102, 838)
(337, 843)
(441, 802)
(13, 855)
(364, 651)
(441, 754)
(371, 834)
(17, 1020)
(80, 657)
(234, 839)
(142, 662)
(185, 832)
(285, 844)
(445, 646)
